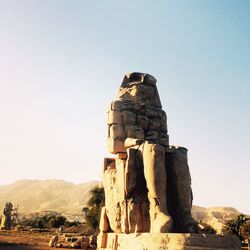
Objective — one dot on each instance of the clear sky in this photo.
(62, 61)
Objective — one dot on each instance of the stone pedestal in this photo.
(167, 241)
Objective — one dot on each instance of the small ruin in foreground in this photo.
(148, 196)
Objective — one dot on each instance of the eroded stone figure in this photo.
(6, 222)
(139, 195)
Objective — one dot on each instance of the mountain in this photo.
(214, 216)
(47, 195)
(69, 199)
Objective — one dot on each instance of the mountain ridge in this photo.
(34, 196)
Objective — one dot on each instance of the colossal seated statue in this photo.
(147, 184)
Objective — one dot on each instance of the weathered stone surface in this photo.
(170, 241)
(121, 155)
(130, 171)
(114, 117)
(53, 241)
(143, 122)
(138, 135)
(179, 190)
(131, 142)
(6, 220)
(117, 132)
(128, 117)
(147, 184)
(103, 225)
(135, 132)
(102, 241)
(116, 145)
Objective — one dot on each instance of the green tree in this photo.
(245, 231)
(92, 212)
(235, 226)
(97, 197)
(56, 222)
(45, 221)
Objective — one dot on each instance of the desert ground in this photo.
(25, 240)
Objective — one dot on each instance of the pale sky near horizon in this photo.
(62, 61)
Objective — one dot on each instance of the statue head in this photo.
(139, 87)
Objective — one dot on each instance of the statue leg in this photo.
(180, 188)
(156, 179)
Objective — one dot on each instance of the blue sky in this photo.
(61, 63)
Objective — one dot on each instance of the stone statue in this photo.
(147, 183)
(6, 222)
(136, 182)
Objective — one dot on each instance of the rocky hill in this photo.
(69, 199)
(214, 216)
(47, 195)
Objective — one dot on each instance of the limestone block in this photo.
(116, 146)
(124, 94)
(134, 77)
(144, 207)
(111, 242)
(155, 101)
(124, 218)
(142, 92)
(128, 117)
(179, 190)
(163, 116)
(153, 112)
(102, 240)
(114, 117)
(122, 105)
(117, 132)
(141, 109)
(121, 155)
(130, 171)
(115, 203)
(131, 142)
(137, 78)
(149, 79)
(103, 225)
(111, 198)
(155, 175)
(143, 121)
(120, 177)
(135, 132)
(53, 241)
(164, 139)
(108, 163)
(134, 217)
(172, 241)
(152, 135)
(154, 124)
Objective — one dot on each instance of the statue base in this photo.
(167, 241)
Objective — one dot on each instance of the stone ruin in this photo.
(6, 219)
(147, 183)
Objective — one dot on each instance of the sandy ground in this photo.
(25, 241)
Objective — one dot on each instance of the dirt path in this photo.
(25, 241)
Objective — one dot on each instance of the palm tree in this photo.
(92, 212)
(235, 226)
(97, 197)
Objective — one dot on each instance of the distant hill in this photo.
(69, 199)
(214, 216)
(47, 195)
